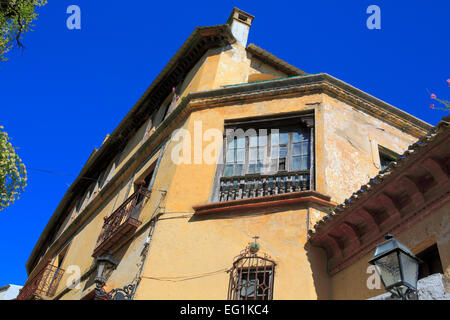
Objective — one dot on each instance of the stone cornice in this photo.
(265, 204)
(311, 84)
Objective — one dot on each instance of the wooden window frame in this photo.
(284, 121)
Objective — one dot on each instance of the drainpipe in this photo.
(307, 223)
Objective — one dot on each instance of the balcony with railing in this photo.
(122, 222)
(43, 285)
(253, 186)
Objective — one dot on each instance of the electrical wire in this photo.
(185, 278)
(59, 173)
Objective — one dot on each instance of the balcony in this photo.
(253, 186)
(121, 223)
(43, 285)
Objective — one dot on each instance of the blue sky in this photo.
(70, 88)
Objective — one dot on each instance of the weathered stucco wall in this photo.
(349, 147)
(210, 244)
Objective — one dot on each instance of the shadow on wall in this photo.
(318, 262)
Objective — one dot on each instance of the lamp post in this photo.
(397, 266)
(105, 264)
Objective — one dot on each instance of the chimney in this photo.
(240, 23)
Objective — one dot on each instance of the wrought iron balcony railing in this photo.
(121, 222)
(44, 284)
(252, 186)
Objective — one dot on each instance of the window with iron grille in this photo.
(252, 277)
(266, 156)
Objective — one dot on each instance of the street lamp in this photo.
(105, 264)
(397, 266)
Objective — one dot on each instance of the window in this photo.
(235, 158)
(386, 157)
(60, 257)
(431, 262)
(266, 156)
(255, 284)
(143, 184)
(252, 277)
(277, 151)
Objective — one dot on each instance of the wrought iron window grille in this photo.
(252, 276)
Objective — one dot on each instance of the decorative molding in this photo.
(263, 204)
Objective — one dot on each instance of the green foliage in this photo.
(13, 174)
(16, 18)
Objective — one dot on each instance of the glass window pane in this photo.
(283, 151)
(275, 152)
(241, 142)
(259, 167)
(296, 163)
(252, 168)
(305, 163)
(230, 155)
(240, 155)
(284, 138)
(238, 169)
(262, 141)
(253, 141)
(273, 165)
(410, 269)
(274, 139)
(296, 149)
(262, 152)
(305, 148)
(231, 143)
(305, 136)
(389, 269)
(296, 137)
(252, 156)
(228, 170)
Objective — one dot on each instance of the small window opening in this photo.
(386, 157)
(431, 262)
(242, 17)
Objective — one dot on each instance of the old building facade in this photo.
(176, 193)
